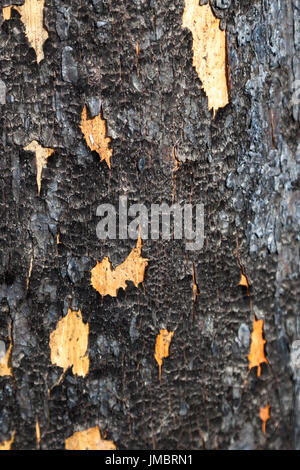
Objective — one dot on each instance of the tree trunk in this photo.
(126, 68)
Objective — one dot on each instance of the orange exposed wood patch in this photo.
(264, 415)
(90, 439)
(6, 445)
(41, 156)
(37, 432)
(195, 285)
(196, 291)
(137, 50)
(209, 48)
(243, 281)
(6, 11)
(69, 342)
(257, 354)
(94, 131)
(108, 281)
(32, 13)
(5, 369)
(162, 346)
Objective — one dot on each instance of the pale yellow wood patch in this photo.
(6, 445)
(108, 281)
(209, 52)
(5, 369)
(69, 342)
(29, 273)
(90, 439)
(6, 12)
(95, 134)
(41, 156)
(162, 346)
(32, 15)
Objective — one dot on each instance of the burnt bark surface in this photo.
(243, 166)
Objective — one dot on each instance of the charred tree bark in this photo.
(131, 63)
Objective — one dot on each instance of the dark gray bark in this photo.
(243, 166)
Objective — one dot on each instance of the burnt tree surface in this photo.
(243, 165)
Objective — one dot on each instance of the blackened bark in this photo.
(243, 166)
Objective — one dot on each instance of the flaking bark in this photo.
(136, 60)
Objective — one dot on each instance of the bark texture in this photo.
(135, 58)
